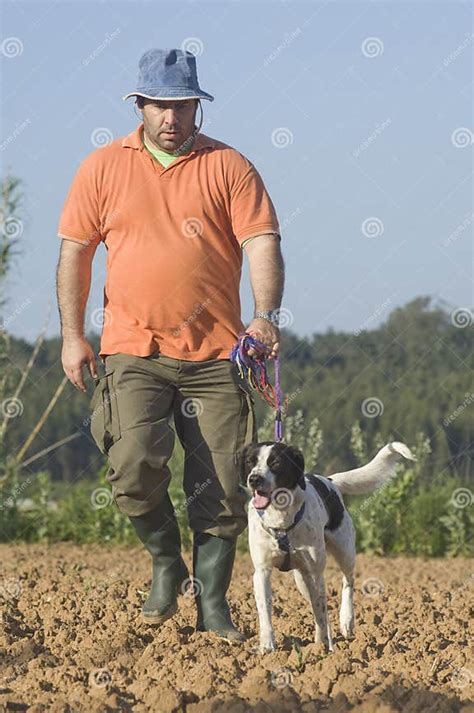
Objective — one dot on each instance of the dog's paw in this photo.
(347, 630)
(323, 645)
(346, 624)
(319, 650)
(267, 645)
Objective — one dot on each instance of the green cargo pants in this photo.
(133, 405)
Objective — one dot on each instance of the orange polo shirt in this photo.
(174, 243)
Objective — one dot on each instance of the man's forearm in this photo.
(73, 279)
(267, 271)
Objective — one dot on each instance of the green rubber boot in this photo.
(213, 560)
(159, 532)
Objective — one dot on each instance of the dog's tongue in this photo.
(260, 501)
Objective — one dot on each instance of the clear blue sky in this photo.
(371, 173)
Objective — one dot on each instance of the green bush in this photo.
(403, 517)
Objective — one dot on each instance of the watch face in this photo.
(272, 315)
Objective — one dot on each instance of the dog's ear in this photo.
(245, 461)
(295, 459)
(287, 463)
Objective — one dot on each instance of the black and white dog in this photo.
(294, 518)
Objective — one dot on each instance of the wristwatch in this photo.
(270, 314)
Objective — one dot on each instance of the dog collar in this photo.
(281, 536)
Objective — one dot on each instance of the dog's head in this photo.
(271, 470)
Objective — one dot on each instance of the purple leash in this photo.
(279, 399)
(253, 369)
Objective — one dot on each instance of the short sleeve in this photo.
(251, 208)
(80, 217)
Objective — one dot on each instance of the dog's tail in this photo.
(374, 474)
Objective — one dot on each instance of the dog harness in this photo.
(334, 509)
(281, 536)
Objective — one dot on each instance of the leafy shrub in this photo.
(402, 517)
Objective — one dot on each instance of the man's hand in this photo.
(266, 332)
(75, 353)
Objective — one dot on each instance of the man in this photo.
(175, 209)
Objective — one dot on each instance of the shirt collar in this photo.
(134, 140)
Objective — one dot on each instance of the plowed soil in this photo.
(72, 640)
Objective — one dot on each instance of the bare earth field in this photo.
(71, 640)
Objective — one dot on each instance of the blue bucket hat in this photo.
(168, 74)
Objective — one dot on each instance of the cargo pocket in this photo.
(105, 420)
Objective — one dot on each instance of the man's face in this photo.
(169, 123)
